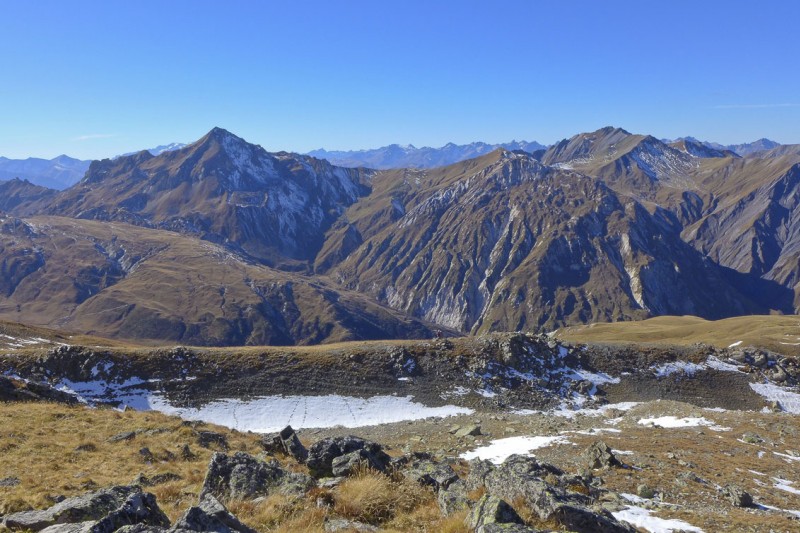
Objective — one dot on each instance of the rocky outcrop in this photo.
(285, 442)
(341, 455)
(522, 479)
(600, 455)
(103, 511)
(243, 476)
(17, 390)
(209, 516)
(490, 511)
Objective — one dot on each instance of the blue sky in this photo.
(94, 79)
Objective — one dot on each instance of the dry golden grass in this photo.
(780, 333)
(55, 449)
(373, 497)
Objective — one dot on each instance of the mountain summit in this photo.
(275, 206)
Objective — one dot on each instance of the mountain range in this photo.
(396, 156)
(221, 242)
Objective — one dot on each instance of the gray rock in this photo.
(453, 498)
(478, 470)
(141, 528)
(349, 463)
(84, 508)
(599, 455)
(144, 481)
(138, 508)
(645, 491)
(473, 429)
(737, 496)
(430, 473)
(80, 527)
(9, 482)
(124, 436)
(322, 453)
(209, 516)
(206, 438)
(340, 524)
(245, 477)
(286, 441)
(523, 477)
(491, 510)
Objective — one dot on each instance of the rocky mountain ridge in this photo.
(604, 226)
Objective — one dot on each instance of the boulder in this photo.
(88, 507)
(138, 508)
(645, 491)
(209, 516)
(286, 441)
(322, 453)
(491, 510)
(453, 498)
(599, 455)
(473, 429)
(478, 470)
(124, 436)
(522, 477)
(737, 496)
(430, 473)
(245, 477)
(206, 438)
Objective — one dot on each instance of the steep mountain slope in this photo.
(23, 197)
(640, 166)
(122, 281)
(274, 206)
(57, 173)
(396, 156)
(505, 243)
(754, 226)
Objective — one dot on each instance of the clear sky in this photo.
(97, 78)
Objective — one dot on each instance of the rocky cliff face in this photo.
(508, 243)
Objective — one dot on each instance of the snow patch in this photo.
(273, 413)
(675, 422)
(789, 401)
(643, 518)
(501, 449)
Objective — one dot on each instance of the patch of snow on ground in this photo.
(785, 485)
(716, 364)
(790, 401)
(273, 413)
(633, 498)
(677, 367)
(735, 344)
(765, 507)
(691, 369)
(643, 519)
(675, 422)
(501, 449)
(787, 458)
(566, 412)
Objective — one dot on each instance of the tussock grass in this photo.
(59, 450)
(372, 497)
